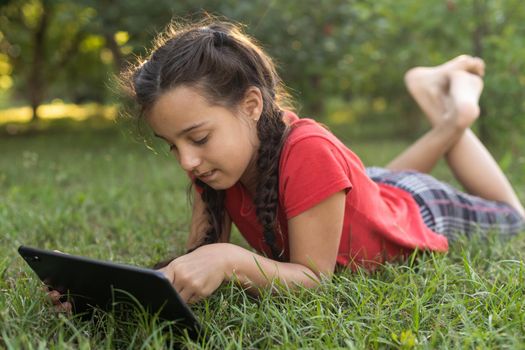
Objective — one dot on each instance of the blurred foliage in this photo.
(343, 60)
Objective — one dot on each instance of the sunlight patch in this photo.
(57, 110)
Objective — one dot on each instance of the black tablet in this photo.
(94, 283)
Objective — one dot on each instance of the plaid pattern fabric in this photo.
(450, 212)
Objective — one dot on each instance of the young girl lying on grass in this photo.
(299, 196)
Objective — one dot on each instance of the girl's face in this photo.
(214, 143)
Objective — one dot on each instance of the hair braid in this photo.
(214, 201)
(272, 133)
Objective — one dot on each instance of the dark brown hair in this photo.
(222, 62)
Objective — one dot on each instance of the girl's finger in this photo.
(64, 307)
(67, 306)
(186, 294)
(166, 273)
(48, 289)
(193, 299)
(54, 295)
(177, 284)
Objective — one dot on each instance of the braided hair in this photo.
(222, 62)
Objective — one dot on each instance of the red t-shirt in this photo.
(381, 222)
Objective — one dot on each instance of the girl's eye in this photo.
(197, 142)
(201, 141)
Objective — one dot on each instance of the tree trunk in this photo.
(317, 105)
(480, 31)
(71, 50)
(109, 29)
(36, 81)
(112, 45)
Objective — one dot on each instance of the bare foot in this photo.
(429, 86)
(465, 90)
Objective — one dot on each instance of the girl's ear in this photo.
(252, 104)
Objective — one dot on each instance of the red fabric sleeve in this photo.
(313, 170)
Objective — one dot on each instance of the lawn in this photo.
(103, 194)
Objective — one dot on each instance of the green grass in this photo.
(103, 195)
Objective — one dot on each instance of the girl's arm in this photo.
(314, 237)
(200, 224)
(313, 240)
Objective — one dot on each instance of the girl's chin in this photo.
(218, 186)
(218, 181)
(222, 184)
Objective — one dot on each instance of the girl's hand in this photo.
(198, 274)
(57, 297)
(58, 305)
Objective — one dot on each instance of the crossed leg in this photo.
(449, 95)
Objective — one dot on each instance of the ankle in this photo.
(450, 127)
(467, 112)
(463, 114)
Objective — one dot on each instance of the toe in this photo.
(412, 76)
(461, 62)
(474, 65)
(480, 66)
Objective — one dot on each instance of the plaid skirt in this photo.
(450, 212)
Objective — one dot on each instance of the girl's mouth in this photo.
(208, 175)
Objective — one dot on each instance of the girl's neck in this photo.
(249, 178)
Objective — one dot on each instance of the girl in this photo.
(298, 195)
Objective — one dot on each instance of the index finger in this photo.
(169, 273)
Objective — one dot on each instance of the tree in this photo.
(40, 37)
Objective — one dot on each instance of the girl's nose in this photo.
(189, 160)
